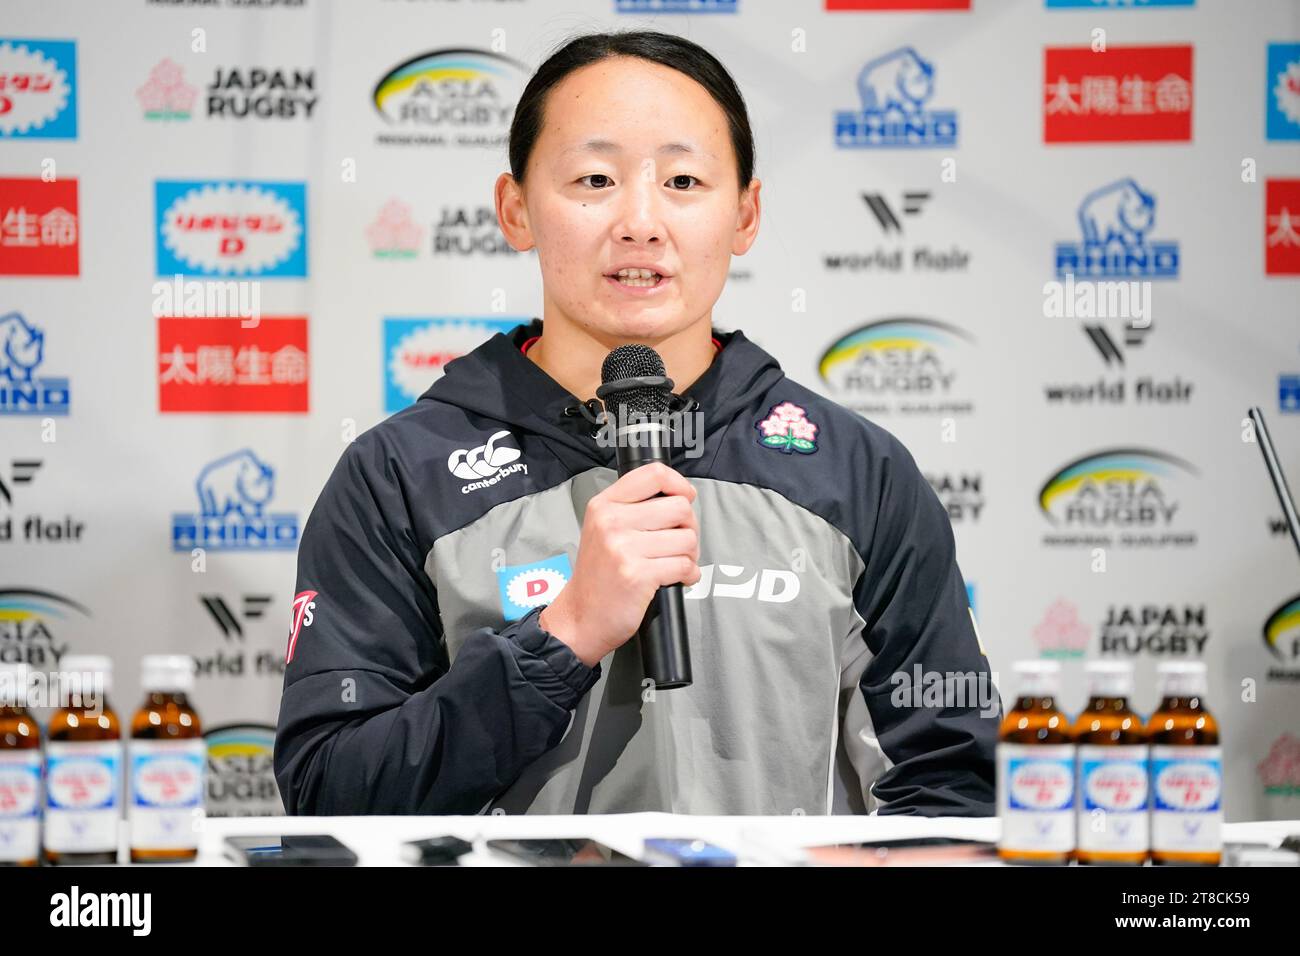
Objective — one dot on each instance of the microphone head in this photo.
(635, 361)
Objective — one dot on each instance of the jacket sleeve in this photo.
(933, 712)
(373, 717)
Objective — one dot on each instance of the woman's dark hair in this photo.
(672, 51)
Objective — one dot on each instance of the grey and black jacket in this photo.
(419, 680)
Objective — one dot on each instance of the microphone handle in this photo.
(665, 648)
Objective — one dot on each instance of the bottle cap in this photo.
(1109, 678)
(167, 673)
(13, 685)
(1037, 678)
(1181, 678)
(86, 674)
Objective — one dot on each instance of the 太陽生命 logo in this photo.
(1282, 227)
(40, 233)
(1120, 94)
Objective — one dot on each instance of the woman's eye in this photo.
(682, 176)
(600, 176)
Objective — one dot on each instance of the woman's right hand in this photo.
(638, 535)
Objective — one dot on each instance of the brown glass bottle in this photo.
(20, 772)
(83, 779)
(167, 761)
(1186, 770)
(1036, 771)
(1112, 787)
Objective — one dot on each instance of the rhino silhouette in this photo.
(239, 482)
(900, 81)
(22, 347)
(1120, 211)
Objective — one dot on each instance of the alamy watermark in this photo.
(946, 689)
(193, 299)
(685, 429)
(76, 690)
(1098, 300)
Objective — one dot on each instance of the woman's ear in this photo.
(747, 218)
(512, 213)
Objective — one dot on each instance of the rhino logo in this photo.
(1120, 212)
(1115, 223)
(22, 347)
(240, 483)
(899, 81)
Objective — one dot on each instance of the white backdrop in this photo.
(371, 224)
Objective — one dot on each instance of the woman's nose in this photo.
(640, 215)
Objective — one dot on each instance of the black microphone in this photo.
(635, 392)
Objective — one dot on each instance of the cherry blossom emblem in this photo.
(787, 429)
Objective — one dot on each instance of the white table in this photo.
(376, 840)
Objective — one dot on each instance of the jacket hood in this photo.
(498, 381)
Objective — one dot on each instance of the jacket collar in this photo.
(498, 381)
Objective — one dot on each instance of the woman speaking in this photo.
(471, 578)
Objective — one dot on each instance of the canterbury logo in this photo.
(304, 604)
(484, 461)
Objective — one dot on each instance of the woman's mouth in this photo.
(637, 278)
(642, 281)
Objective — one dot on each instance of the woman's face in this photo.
(634, 167)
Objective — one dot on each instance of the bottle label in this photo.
(20, 804)
(1113, 799)
(167, 779)
(1187, 799)
(82, 791)
(1036, 797)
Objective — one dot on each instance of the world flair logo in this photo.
(1126, 490)
(898, 364)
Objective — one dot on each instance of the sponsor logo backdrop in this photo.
(942, 181)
